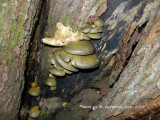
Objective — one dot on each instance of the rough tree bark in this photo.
(17, 21)
(136, 68)
(129, 54)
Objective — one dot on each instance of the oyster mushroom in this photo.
(63, 36)
(67, 66)
(95, 35)
(34, 112)
(86, 29)
(51, 82)
(57, 72)
(34, 91)
(99, 22)
(85, 62)
(96, 29)
(54, 62)
(66, 57)
(79, 48)
(67, 71)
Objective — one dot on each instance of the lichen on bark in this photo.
(14, 40)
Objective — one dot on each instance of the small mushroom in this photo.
(67, 66)
(99, 22)
(34, 84)
(54, 62)
(34, 91)
(34, 112)
(85, 62)
(51, 82)
(79, 48)
(57, 72)
(86, 29)
(95, 35)
(96, 29)
(85, 36)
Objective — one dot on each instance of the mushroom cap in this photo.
(34, 91)
(80, 48)
(96, 29)
(34, 84)
(86, 29)
(66, 57)
(85, 62)
(53, 88)
(54, 62)
(95, 35)
(57, 72)
(67, 71)
(99, 22)
(51, 82)
(67, 66)
(34, 112)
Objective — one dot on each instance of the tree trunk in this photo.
(136, 71)
(127, 80)
(17, 22)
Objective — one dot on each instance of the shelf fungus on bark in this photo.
(64, 35)
(85, 62)
(79, 48)
(51, 82)
(34, 112)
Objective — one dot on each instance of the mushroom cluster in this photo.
(72, 57)
(34, 112)
(77, 52)
(94, 30)
(34, 90)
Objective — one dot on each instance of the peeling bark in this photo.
(16, 26)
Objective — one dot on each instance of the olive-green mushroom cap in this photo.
(80, 48)
(67, 71)
(34, 91)
(54, 62)
(57, 72)
(86, 29)
(95, 35)
(65, 65)
(66, 57)
(34, 112)
(99, 22)
(85, 62)
(96, 29)
(51, 82)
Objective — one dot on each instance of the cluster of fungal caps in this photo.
(77, 52)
